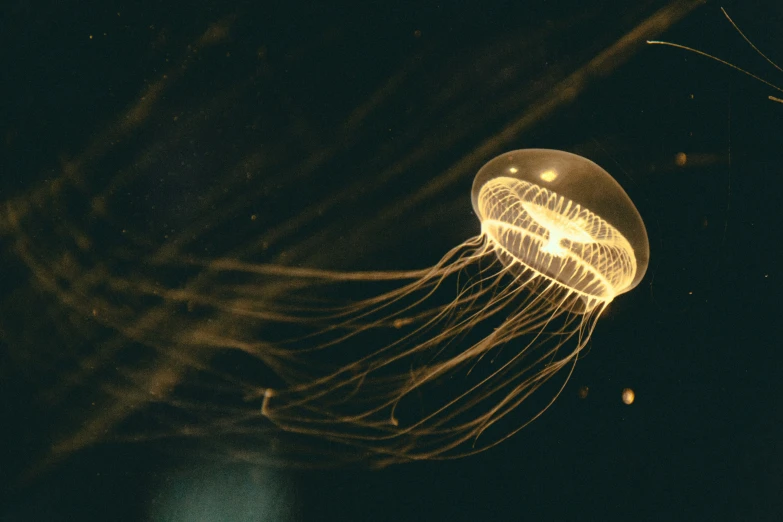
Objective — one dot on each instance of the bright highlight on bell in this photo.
(444, 361)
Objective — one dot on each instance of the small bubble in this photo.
(681, 159)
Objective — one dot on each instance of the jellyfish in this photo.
(444, 361)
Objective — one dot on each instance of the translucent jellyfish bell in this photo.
(562, 216)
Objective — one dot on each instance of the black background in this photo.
(351, 119)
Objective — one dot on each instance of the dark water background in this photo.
(353, 134)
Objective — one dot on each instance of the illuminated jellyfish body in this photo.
(443, 362)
